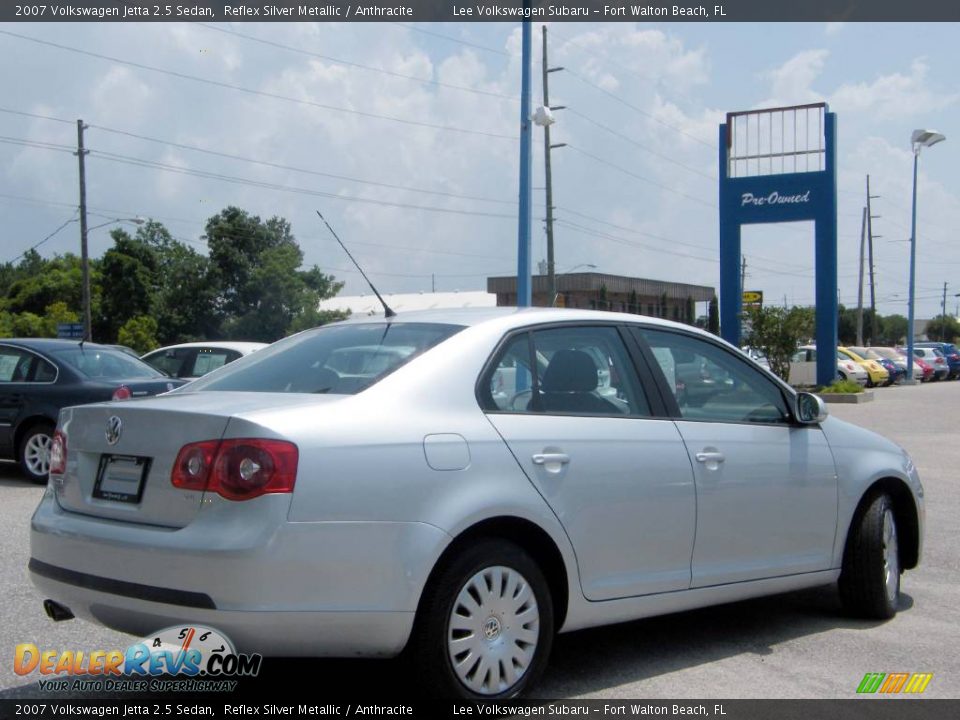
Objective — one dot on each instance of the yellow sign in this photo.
(753, 297)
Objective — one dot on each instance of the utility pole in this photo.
(546, 121)
(524, 290)
(84, 255)
(743, 273)
(943, 315)
(863, 238)
(870, 237)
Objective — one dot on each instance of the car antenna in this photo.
(387, 312)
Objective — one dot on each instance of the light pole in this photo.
(919, 139)
(85, 269)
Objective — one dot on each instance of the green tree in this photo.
(255, 265)
(893, 329)
(128, 280)
(139, 333)
(58, 313)
(776, 332)
(713, 316)
(37, 284)
(943, 328)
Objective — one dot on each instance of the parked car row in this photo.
(39, 377)
(878, 366)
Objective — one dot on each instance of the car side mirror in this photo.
(811, 409)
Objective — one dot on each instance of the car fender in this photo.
(864, 461)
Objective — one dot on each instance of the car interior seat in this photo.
(568, 385)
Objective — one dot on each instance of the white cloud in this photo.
(893, 96)
(833, 28)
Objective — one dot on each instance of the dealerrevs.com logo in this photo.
(181, 658)
(894, 683)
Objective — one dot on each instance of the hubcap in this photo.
(493, 630)
(36, 454)
(891, 557)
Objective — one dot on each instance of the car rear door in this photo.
(766, 487)
(616, 475)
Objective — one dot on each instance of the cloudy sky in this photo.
(405, 137)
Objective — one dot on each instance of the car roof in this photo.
(239, 346)
(50, 344)
(519, 317)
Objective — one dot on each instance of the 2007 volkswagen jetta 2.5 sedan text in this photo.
(463, 484)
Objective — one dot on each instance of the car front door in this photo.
(619, 480)
(766, 486)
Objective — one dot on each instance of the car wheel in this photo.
(485, 624)
(35, 452)
(870, 578)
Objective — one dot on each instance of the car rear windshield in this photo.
(100, 363)
(336, 359)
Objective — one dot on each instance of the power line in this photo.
(358, 66)
(632, 174)
(265, 163)
(140, 162)
(260, 93)
(73, 218)
(305, 171)
(630, 140)
(638, 110)
(485, 48)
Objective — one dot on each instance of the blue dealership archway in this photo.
(779, 165)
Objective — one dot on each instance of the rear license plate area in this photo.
(120, 478)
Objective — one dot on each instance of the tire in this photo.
(475, 640)
(34, 455)
(870, 579)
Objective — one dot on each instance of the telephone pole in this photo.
(546, 121)
(84, 256)
(943, 315)
(743, 274)
(863, 238)
(870, 237)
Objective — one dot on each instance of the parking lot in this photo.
(794, 645)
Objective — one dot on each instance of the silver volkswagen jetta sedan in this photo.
(466, 485)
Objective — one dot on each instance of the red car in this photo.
(928, 371)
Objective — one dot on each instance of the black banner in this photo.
(317, 705)
(481, 11)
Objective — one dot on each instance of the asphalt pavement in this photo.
(797, 645)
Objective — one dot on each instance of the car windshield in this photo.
(101, 363)
(336, 359)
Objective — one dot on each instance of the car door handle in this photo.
(710, 456)
(551, 459)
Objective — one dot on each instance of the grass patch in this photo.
(841, 386)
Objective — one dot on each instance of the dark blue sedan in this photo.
(38, 377)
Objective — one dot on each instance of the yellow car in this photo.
(876, 373)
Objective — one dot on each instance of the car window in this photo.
(44, 371)
(579, 371)
(209, 359)
(100, 363)
(714, 384)
(14, 365)
(336, 359)
(172, 362)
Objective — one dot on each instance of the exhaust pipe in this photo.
(56, 612)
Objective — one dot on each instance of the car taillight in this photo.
(237, 469)
(58, 453)
(122, 393)
(194, 462)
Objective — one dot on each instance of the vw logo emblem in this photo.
(114, 429)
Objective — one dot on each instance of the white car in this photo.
(189, 361)
(803, 368)
(479, 491)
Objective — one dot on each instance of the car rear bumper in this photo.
(274, 587)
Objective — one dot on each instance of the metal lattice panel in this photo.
(775, 141)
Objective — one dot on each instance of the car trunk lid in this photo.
(120, 455)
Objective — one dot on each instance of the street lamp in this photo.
(85, 268)
(919, 139)
(556, 294)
